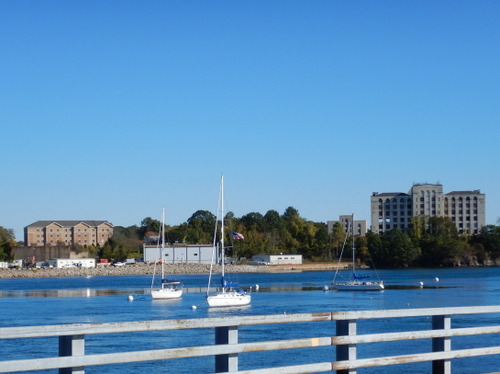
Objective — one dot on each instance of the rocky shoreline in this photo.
(145, 269)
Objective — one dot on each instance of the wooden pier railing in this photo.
(345, 339)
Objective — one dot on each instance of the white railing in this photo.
(73, 359)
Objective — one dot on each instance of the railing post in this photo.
(346, 352)
(72, 345)
(226, 335)
(441, 344)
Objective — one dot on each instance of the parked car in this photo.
(118, 263)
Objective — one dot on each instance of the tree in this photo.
(290, 213)
(149, 224)
(440, 241)
(377, 249)
(253, 221)
(7, 242)
(337, 238)
(489, 238)
(201, 227)
(400, 249)
(321, 245)
(291, 230)
(121, 246)
(273, 225)
(273, 220)
(203, 219)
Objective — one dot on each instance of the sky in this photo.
(112, 110)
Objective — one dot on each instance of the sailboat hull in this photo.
(354, 283)
(227, 295)
(166, 293)
(231, 298)
(169, 288)
(359, 286)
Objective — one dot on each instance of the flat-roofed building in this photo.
(50, 233)
(360, 226)
(466, 209)
(391, 210)
(180, 254)
(281, 259)
(72, 262)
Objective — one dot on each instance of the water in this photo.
(47, 301)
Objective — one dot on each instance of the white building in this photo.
(72, 262)
(179, 254)
(280, 259)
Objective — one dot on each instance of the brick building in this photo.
(49, 233)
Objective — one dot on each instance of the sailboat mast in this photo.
(353, 255)
(162, 243)
(222, 223)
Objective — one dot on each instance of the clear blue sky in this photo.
(114, 109)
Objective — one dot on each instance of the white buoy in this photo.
(421, 284)
(194, 307)
(130, 298)
(325, 288)
(436, 279)
(256, 287)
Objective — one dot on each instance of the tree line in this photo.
(428, 242)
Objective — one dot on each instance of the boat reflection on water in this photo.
(89, 292)
(84, 292)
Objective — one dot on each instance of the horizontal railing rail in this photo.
(343, 359)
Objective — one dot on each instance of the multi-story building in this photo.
(395, 210)
(47, 233)
(346, 222)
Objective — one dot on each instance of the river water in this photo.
(47, 301)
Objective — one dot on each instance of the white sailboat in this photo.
(356, 282)
(169, 288)
(228, 294)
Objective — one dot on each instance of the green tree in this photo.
(400, 249)
(337, 238)
(440, 241)
(291, 230)
(7, 242)
(148, 224)
(377, 249)
(253, 221)
(489, 239)
(273, 226)
(121, 245)
(201, 227)
(273, 220)
(322, 245)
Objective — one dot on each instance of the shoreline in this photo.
(146, 269)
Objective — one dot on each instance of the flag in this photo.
(237, 235)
